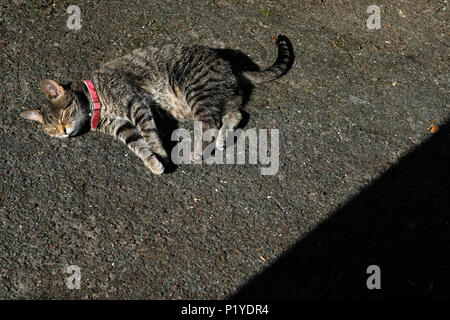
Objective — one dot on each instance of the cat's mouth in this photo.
(60, 136)
(68, 134)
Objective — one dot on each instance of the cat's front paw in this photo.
(155, 165)
(220, 143)
(196, 156)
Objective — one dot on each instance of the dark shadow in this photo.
(244, 121)
(165, 124)
(401, 222)
(240, 63)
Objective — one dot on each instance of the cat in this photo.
(194, 82)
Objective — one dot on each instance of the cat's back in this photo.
(169, 56)
(142, 58)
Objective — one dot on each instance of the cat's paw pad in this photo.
(155, 166)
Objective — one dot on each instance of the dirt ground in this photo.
(362, 181)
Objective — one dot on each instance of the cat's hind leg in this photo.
(230, 120)
(206, 116)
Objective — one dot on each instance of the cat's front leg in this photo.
(143, 119)
(126, 132)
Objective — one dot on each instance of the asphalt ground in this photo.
(362, 181)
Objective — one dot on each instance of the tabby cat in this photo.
(183, 81)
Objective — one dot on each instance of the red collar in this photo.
(96, 105)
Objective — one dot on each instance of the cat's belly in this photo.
(171, 100)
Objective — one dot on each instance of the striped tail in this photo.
(284, 62)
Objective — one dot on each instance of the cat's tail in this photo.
(281, 66)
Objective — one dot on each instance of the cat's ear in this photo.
(34, 115)
(51, 89)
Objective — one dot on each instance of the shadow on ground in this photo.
(400, 223)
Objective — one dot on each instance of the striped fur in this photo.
(280, 67)
(193, 82)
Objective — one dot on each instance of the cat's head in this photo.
(66, 113)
